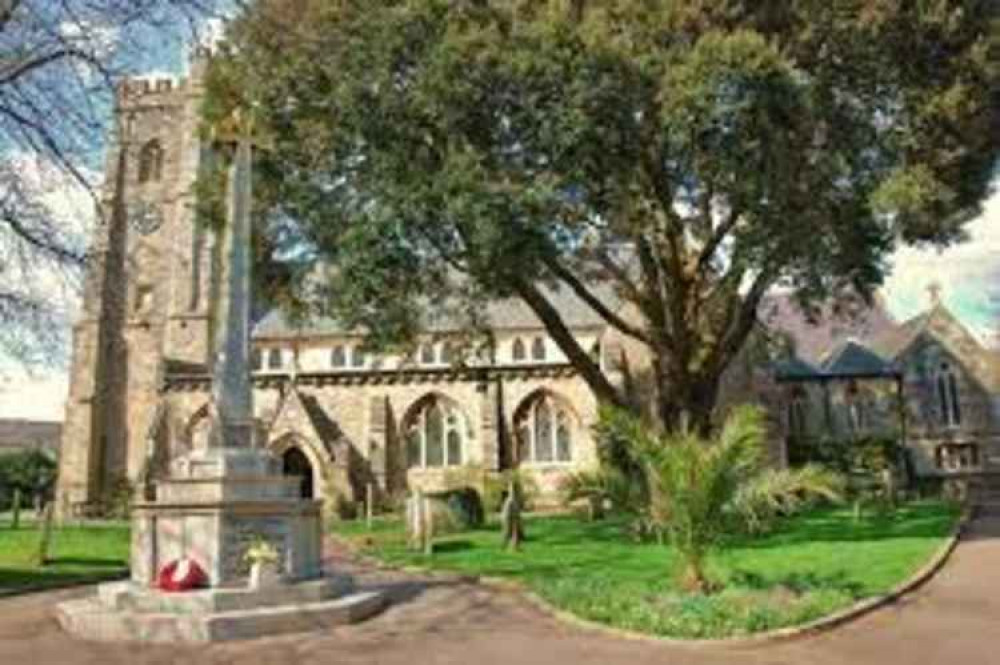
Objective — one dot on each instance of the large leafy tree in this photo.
(691, 154)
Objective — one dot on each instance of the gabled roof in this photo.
(794, 368)
(813, 339)
(891, 342)
(20, 434)
(851, 359)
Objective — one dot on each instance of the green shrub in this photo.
(30, 471)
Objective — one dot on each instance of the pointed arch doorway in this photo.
(295, 463)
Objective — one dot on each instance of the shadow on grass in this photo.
(23, 580)
(446, 546)
(834, 526)
(86, 562)
(799, 582)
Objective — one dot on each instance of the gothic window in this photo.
(447, 353)
(435, 435)
(798, 413)
(427, 355)
(518, 353)
(151, 162)
(948, 402)
(338, 357)
(538, 349)
(256, 360)
(544, 428)
(357, 357)
(274, 359)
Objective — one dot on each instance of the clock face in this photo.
(144, 217)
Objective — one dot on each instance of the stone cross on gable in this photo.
(934, 291)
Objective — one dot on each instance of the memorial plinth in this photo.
(218, 502)
(214, 506)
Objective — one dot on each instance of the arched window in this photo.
(798, 413)
(357, 357)
(948, 402)
(519, 353)
(274, 359)
(447, 353)
(151, 161)
(427, 355)
(544, 428)
(435, 434)
(338, 357)
(256, 360)
(538, 349)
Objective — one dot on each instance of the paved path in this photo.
(954, 620)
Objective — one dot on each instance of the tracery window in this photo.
(544, 428)
(447, 353)
(538, 349)
(436, 435)
(948, 402)
(256, 360)
(151, 162)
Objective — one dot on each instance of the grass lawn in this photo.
(89, 552)
(811, 566)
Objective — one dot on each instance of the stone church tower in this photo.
(146, 304)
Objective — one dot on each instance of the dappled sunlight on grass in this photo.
(811, 566)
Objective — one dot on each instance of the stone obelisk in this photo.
(231, 390)
(218, 501)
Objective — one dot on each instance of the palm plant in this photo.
(701, 490)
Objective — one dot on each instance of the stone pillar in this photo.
(378, 421)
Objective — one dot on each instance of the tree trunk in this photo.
(686, 403)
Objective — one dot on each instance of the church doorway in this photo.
(295, 463)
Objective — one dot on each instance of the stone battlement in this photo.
(132, 88)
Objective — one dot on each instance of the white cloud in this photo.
(969, 275)
(36, 397)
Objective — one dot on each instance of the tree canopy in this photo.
(694, 154)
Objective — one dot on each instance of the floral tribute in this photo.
(181, 575)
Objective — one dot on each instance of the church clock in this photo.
(144, 217)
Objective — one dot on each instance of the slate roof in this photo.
(18, 434)
(505, 314)
(852, 359)
(814, 340)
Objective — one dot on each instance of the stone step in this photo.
(132, 597)
(92, 619)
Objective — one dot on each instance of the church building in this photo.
(344, 419)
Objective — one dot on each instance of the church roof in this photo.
(501, 314)
(852, 359)
(813, 340)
